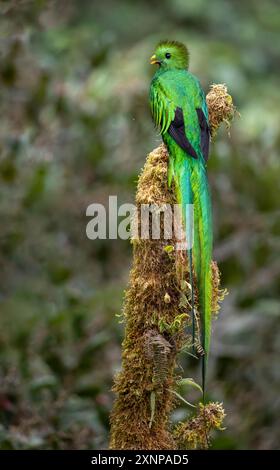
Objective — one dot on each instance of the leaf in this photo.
(191, 382)
(184, 303)
(177, 322)
(181, 398)
(189, 285)
(168, 249)
(153, 408)
(120, 316)
(167, 298)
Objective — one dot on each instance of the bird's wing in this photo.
(163, 108)
(169, 118)
(178, 132)
(204, 133)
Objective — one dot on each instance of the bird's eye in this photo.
(168, 55)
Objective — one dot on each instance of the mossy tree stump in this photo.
(156, 313)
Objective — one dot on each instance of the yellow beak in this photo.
(153, 60)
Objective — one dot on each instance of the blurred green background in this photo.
(75, 128)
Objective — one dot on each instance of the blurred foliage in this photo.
(75, 128)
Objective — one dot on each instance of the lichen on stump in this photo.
(156, 315)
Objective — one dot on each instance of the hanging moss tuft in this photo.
(220, 106)
(194, 433)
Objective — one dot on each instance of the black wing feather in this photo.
(177, 132)
(204, 133)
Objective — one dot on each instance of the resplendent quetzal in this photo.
(180, 111)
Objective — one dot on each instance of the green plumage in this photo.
(175, 88)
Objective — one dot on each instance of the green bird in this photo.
(179, 110)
